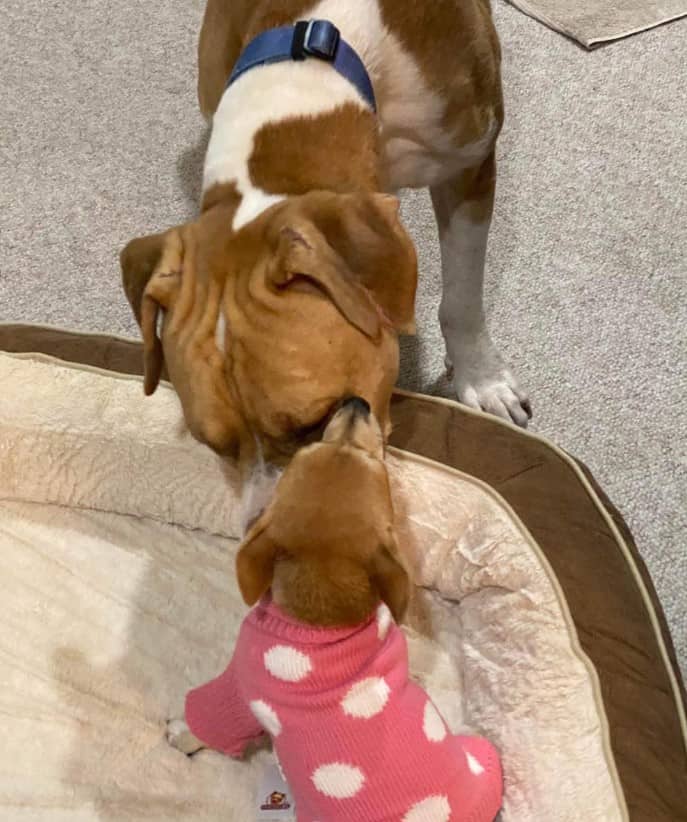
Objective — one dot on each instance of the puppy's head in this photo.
(326, 543)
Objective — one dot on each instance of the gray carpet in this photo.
(101, 140)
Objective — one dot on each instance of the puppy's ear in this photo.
(151, 275)
(390, 579)
(354, 247)
(255, 563)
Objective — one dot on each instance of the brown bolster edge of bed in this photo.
(619, 619)
(612, 616)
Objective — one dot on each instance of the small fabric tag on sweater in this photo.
(274, 800)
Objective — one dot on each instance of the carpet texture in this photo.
(594, 22)
(101, 140)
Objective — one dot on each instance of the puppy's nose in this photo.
(358, 406)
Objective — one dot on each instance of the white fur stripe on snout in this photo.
(221, 333)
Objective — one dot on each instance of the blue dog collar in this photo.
(313, 38)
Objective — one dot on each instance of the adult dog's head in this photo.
(263, 329)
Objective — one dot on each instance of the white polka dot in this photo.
(366, 698)
(433, 724)
(266, 716)
(287, 663)
(383, 620)
(338, 780)
(473, 764)
(432, 809)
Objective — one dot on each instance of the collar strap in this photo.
(311, 38)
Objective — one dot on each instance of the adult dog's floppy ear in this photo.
(255, 563)
(355, 249)
(390, 579)
(389, 269)
(151, 275)
(303, 254)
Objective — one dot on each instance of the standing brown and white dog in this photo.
(289, 289)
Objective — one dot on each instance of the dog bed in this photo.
(532, 621)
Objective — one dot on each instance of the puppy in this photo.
(289, 289)
(320, 664)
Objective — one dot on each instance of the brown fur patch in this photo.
(224, 195)
(342, 153)
(457, 49)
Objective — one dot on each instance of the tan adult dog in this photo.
(289, 289)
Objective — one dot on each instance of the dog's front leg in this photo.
(463, 206)
(180, 737)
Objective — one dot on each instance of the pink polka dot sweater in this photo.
(356, 739)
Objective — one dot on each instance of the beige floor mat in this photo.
(594, 22)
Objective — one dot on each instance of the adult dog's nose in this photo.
(355, 424)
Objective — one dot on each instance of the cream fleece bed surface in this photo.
(117, 533)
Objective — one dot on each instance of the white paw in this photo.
(180, 737)
(482, 380)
